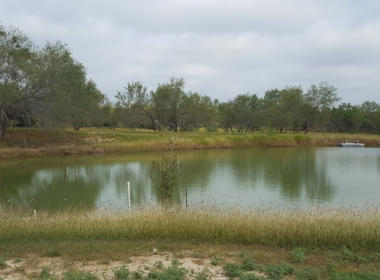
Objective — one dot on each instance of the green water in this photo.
(246, 178)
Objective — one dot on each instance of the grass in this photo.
(80, 257)
(21, 142)
(308, 229)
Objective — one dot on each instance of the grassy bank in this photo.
(21, 142)
(198, 244)
(181, 260)
(309, 229)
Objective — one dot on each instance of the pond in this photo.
(243, 178)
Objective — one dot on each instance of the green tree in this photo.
(168, 100)
(368, 115)
(72, 99)
(20, 87)
(318, 100)
(137, 104)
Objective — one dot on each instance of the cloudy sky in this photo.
(221, 47)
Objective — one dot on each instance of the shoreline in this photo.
(22, 143)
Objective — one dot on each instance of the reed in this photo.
(352, 228)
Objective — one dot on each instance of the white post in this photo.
(129, 196)
(35, 213)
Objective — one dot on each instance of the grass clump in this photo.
(232, 269)
(250, 276)
(215, 261)
(121, 273)
(3, 264)
(79, 275)
(298, 255)
(278, 271)
(203, 275)
(46, 274)
(173, 272)
(249, 263)
(347, 255)
(308, 273)
(355, 275)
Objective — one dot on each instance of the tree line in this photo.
(46, 86)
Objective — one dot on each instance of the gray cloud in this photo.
(221, 47)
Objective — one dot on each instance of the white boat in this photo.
(345, 143)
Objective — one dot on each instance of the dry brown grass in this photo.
(311, 229)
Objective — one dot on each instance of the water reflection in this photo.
(282, 177)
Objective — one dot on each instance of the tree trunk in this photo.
(3, 124)
(2, 131)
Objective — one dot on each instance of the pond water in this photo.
(244, 178)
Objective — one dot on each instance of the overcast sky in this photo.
(221, 47)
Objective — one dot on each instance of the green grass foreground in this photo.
(309, 229)
(21, 142)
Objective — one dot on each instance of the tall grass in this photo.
(314, 228)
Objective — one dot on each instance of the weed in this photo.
(249, 263)
(158, 265)
(354, 275)
(3, 264)
(250, 276)
(203, 275)
(347, 255)
(45, 273)
(214, 261)
(232, 269)
(79, 275)
(176, 262)
(121, 273)
(278, 271)
(18, 260)
(298, 255)
(136, 275)
(173, 272)
(308, 273)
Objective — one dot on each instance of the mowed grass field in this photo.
(21, 142)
